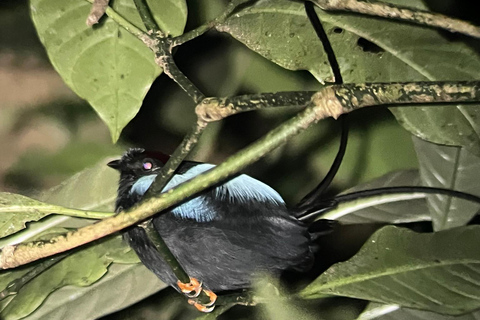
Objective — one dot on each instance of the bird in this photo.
(223, 236)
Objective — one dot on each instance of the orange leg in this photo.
(191, 289)
(208, 307)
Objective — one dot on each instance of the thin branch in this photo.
(329, 102)
(167, 255)
(209, 25)
(164, 59)
(147, 17)
(185, 147)
(386, 10)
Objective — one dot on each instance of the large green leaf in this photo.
(80, 269)
(438, 272)
(452, 168)
(121, 286)
(16, 210)
(395, 212)
(92, 189)
(105, 64)
(280, 31)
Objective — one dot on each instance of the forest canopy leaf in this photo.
(451, 168)
(440, 275)
(369, 50)
(104, 64)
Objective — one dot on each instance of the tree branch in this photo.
(209, 25)
(386, 10)
(330, 101)
(214, 109)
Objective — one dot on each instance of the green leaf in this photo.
(170, 15)
(395, 212)
(277, 304)
(452, 168)
(105, 64)
(78, 269)
(368, 50)
(122, 286)
(16, 210)
(437, 272)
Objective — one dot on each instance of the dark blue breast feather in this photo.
(238, 190)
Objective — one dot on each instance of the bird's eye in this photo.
(147, 165)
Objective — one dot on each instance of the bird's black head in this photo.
(138, 162)
(135, 164)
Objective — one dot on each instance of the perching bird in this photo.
(223, 236)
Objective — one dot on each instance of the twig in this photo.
(164, 59)
(147, 17)
(209, 25)
(185, 147)
(386, 10)
(329, 102)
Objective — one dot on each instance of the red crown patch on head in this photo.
(158, 155)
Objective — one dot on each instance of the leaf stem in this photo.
(147, 18)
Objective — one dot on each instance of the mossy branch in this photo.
(387, 10)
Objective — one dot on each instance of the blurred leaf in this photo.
(92, 189)
(395, 212)
(81, 268)
(368, 50)
(38, 167)
(277, 304)
(392, 312)
(435, 272)
(123, 285)
(451, 168)
(105, 64)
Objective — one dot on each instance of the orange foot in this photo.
(208, 307)
(191, 289)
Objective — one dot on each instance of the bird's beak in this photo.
(115, 164)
